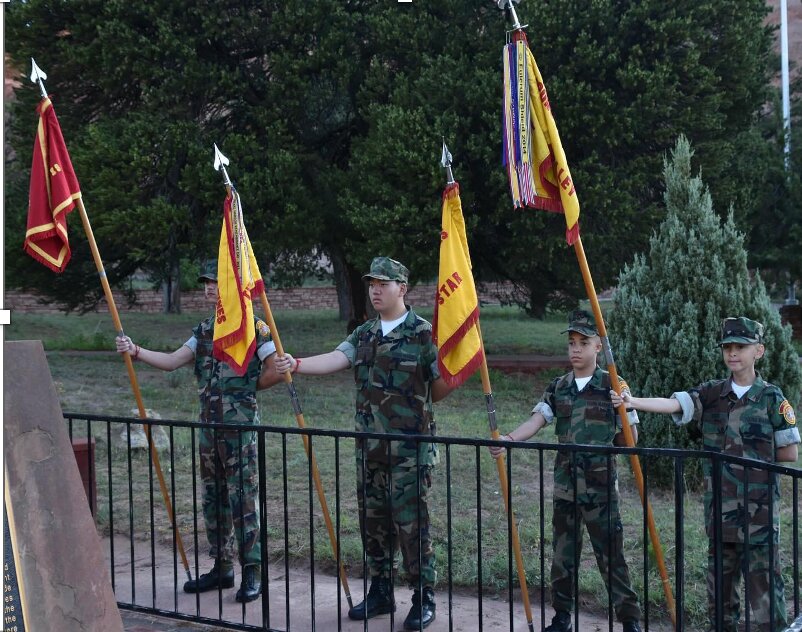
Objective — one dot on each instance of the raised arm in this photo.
(322, 364)
(164, 361)
(647, 404)
(524, 432)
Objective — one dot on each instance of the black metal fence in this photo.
(478, 582)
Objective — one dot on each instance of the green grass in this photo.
(97, 383)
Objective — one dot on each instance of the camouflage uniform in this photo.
(393, 375)
(228, 460)
(753, 426)
(587, 417)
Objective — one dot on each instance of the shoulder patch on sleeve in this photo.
(787, 411)
(262, 327)
(623, 386)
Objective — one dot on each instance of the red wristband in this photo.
(297, 365)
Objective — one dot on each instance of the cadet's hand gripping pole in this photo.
(219, 164)
(501, 465)
(628, 437)
(37, 76)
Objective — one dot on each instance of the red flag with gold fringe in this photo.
(53, 192)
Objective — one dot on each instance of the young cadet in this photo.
(395, 369)
(743, 416)
(579, 405)
(228, 460)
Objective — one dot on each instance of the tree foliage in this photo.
(669, 305)
(333, 113)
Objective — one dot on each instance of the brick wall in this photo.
(193, 301)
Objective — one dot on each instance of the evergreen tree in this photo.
(669, 305)
(332, 112)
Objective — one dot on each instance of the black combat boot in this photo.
(379, 600)
(221, 576)
(560, 622)
(251, 586)
(422, 612)
(631, 626)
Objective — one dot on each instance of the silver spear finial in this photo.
(445, 160)
(220, 161)
(38, 76)
(502, 4)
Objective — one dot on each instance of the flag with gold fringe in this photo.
(238, 278)
(456, 309)
(54, 190)
(532, 152)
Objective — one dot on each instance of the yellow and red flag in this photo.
(238, 278)
(456, 308)
(532, 152)
(53, 192)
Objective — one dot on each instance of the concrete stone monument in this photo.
(62, 577)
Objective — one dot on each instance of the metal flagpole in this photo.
(38, 76)
(501, 466)
(220, 161)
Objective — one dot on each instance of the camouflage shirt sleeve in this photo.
(192, 343)
(691, 407)
(783, 420)
(546, 404)
(349, 345)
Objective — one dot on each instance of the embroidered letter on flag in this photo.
(238, 278)
(456, 308)
(532, 152)
(54, 189)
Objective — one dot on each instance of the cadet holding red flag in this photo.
(53, 192)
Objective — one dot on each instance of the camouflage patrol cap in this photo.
(741, 330)
(582, 322)
(208, 271)
(386, 269)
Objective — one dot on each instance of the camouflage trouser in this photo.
(230, 477)
(608, 547)
(755, 567)
(393, 515)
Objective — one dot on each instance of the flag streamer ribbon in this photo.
(238, 279)
(532, 153)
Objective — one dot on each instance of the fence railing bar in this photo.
(135, 468)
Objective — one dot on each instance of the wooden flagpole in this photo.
(501, 465)
(220, 161)
(38, 77)
(134, 383)
(622, 413)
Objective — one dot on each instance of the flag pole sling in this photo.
(134, 384)
(622, 413)
(501, 466)
(299, 417)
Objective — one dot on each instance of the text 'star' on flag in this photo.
(53, 192)
(238, 279)
(532, 152)
(456, 309)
